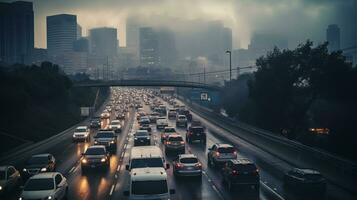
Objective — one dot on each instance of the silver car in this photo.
(187, 165)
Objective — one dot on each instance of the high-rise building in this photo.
(104, 42)
(79, 31)
(333, 37)
(81, 45)
(149, 47)
(61, 33)
(16, 32)
(167, 48)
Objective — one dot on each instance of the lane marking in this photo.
(272, 191)
(111, 190)
(71, 170)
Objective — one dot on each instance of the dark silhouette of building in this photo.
(149, 47)
(16, 32)
(104, 42)
(333, 37)
(81, 45)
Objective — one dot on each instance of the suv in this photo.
(39, 163)
(145, 127)
(196, 133)
(218, 154)
(81, 134)
(115, 125)
(95, 122)
(305, 181)
(240, 172)
(167, 131)
(141, 137)
(107, 139)
(161, 123)
(181, 121)
(171, 114)
(187, 165)
(175, 143)
(95, 156)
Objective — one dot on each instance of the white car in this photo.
(161, 123)
(81, 134)
(115, 125)
(49, 185)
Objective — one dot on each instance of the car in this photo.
(95, 122)
(167, 131)
(49, 185)
(238, 172)
(195, 133)
(174, 143)
(172, 114)
(105, 115)
(153, 117)
(307, 181)
(39, 163)
(140, 114)
(161, 123)
(106, 138)
(186, 113)
(148, 183)
(94, 157)
(146, 157)
(10, 179)
(142, 137)
(187, 165)
(181, 121)
(145, 127)
(81, 133)
(219, 154)
(121, 115)
(144, 120)
(115, 125)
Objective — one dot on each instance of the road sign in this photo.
(204, 96)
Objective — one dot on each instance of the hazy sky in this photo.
(297, 20)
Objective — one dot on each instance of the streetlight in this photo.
(230, 64)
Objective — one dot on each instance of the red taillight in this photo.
(167, 142)
(256, 172)
(217, 153)
(182, 142)
(179, 165)
(235, 153)
(234, 172)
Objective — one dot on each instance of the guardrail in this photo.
(337, 170)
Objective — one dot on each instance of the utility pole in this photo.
(230, 64)
(204, 73)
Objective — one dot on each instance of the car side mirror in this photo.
(167, 166)
(126, 193)
(172, 191)
(127, 167)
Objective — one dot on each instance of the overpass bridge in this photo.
(144, 83)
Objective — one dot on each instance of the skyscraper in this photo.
(149, 47)
(333, 37)
(17, 32)
(61, 33)
(104, 42)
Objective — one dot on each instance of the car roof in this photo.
(96, 147)
(115, 121)
(241, 161)
(169, 127)
(42, 155)
(306, 171)
(142, 131)
(223, 145)
(145, 152)
(80, 127)
(174, 135)
(187, 156)
(182, 116)
(44, 175)
(148, 173)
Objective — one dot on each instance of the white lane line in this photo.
(272, 191)
(70, 171)
(111, 190)
(118, 168)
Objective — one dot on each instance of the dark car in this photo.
(196, 133)
(186, 113)
(174, 143)
(10, 179)
(94, 157)
(305, 181)
(121, 115)
(39, 163)
(95, 122)
(239, 172)
(145, 127)
(141, 137)
(107, 139)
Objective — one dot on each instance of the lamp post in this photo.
(230, 64)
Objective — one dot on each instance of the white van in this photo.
(146, 156)
(148, 183)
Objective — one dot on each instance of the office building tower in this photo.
(149, 47)
(104, 42)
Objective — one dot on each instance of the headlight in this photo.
(84, 160)
(103, 160)
(95, 142)
(49, 197)
(112, 142)
(24, 170)
(20, 198)
(148, 138)
(0, 188)
(74, 135)
(43, 169)
(135, 138)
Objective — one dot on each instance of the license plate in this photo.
(189, 168)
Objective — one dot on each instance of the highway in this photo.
(111, 184)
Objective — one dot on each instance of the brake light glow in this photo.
(198, 165)
(235, 153)
(168, 142)
(234, 172)
(182, 142)
(217, 153)
(179, 165)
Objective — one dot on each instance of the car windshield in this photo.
(39, 184)
(95, 151)
(38, 160)
(188, 160)
(81, 130)
(182, 117)
(170, 130)
(2, 175)
(115, 123)
(141, 133)
(173, 139)
(245, 168)
(146, 162)
(197, 130)
(149, 187)
(105, 135)
(226, 150)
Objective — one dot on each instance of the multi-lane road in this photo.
(111, 184)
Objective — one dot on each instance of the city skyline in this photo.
(286, 18)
